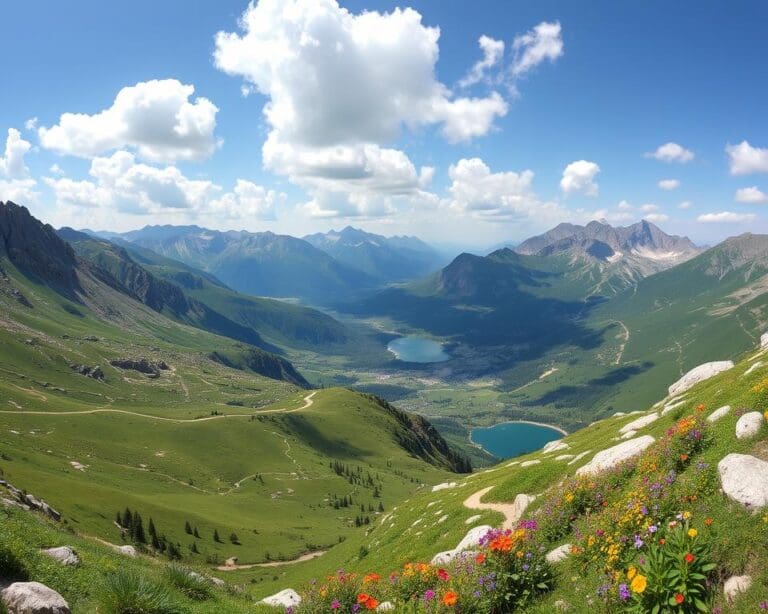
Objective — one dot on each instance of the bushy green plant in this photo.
(193, 586)
(130, 593)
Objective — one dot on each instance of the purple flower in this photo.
(652, 529)
(335, 605)
(526, 567)
(429, 595)
(638, 542)
(644, 511)
(356, 607)
(624, 593)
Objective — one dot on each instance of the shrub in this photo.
(192, 585)
(129, 593)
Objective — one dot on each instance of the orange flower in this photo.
(371, 603)
(502, 543)
(371, 577)
(443, 575)
(480, 559)
(363, 597)
(683, 457)
(662, 541)
(708, 521)
(679, 598)
(689, 558)
(700, 407)
(450, 598)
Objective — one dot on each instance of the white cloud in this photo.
(671, 152)
(20, 191)
(657, 218)
(579, 176)
(686, 204)
(542, 43)
(669, 184)
(156, 118)
(751, 195)
(624, 206)
(12, 163)
(120, 184)
(745, 159)
(56, 169)
(31, 123)
(493, 52)
(340, 85)
(649, 208)
(726, 217)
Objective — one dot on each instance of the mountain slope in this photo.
(383, 258)
(260, 264)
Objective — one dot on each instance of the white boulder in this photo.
(444, 486)
(753, 368)
(559, 554)
(735, 585)
(33, 598)
(699, 374)
(470, 540)
(285, 598)
(749, 425)
(764, 341)
(672, 406)
(613, 457)
(744, 478)
(627, 435)
(554, 446)
(721, 412)
(530, 463)
(65, 555)
(385, 606)
(636, 425)
(127, 551)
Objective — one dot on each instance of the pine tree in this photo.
(187, 528)
(153, 539)
(216, 537)
(119, 519)
(173, 552)
(193, 548)
(137, 530)
(234, 539)
(127, 519)
(196, 534)
(381, 506)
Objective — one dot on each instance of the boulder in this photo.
(613, 457)
(127, 551)
(470, 540)
(735, 585)
(559, 554)
(719, 413)
(444, 486)
(749, 425)
(65, 555)
(753, 368)
(554, 446)
(49, 511)
(764, 341)
(672, 407)
(699, 374)
(33, 598)
(285, 598)
(636, 425)
(530, 463)
(386, 606)
(744, 478)
(217, 581)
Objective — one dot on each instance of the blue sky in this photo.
(375, 122)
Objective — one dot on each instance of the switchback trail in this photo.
(511, 511)
(308, 402)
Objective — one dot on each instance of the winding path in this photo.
(308, 402)
(512, 512)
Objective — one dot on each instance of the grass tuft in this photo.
(130, 593)
(194, 587)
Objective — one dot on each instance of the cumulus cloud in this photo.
(726, 217)
(671, 152)
(579, 177)
(12, 163)
(158, 119)
(543, 43)
(493, 52)
(669, 184)
(686, 204)
(339, 86)
(751, 195)
(745, 159)
(657, 218)
(649, 208)
(121, 184)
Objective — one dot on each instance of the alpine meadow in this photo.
(337, 306)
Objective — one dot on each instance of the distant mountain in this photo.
(107, 284)
(259, 264)
(623, 254)
(384, 258)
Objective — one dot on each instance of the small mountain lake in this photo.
(510, 439)
(417, 349)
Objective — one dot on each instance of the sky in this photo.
(465, 123)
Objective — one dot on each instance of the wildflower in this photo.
(662, 541)
(371, 603)
(652, 529)
(371, 577)
(708, 521)
(639, 583)
(335, 605)
(429, 595)
(689, 558)
(450, 598)
(683, 457)
(692, 533)
(686, 515)
(638, 542)
(631, 573)
(569, 496)
(624, 593)
(443, 575)
(679, 598)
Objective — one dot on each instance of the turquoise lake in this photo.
(510, 439)
(417, 349)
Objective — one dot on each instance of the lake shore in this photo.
(552, 427)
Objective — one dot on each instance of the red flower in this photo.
(689, 558)
(480, 559)
(679, 598)
(443, 575)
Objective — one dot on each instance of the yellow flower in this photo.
(639, 583)
(631, 573)
(569, 496)
(692, 533)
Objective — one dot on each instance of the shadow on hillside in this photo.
(307, 432)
